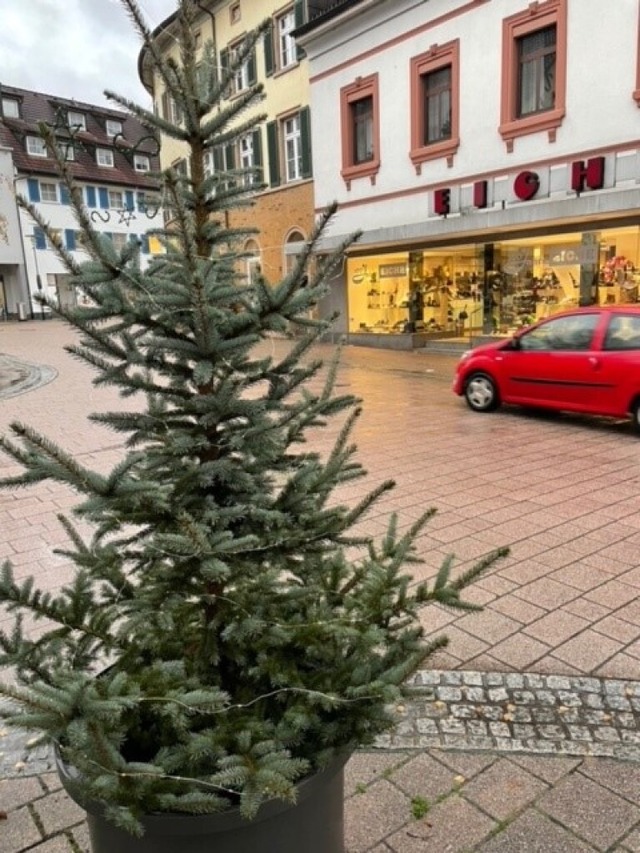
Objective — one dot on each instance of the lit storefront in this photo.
(491, 288)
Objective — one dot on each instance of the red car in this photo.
(584, 360)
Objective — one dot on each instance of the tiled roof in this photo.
(36, 108)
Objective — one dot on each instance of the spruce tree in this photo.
(228, 629)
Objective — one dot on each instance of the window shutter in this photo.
(64, 195)
(305, 139)
(128, 204)
(103, 196)
(230, 156)
(299, 19)
(70, 239)
(252, 71)
(166, 106)
(34, 189)
(257, 156)
(269, 58)
(142, 205)
(224, 65)
(218, 160)
(273, 153)
(91, 197)
(134, 239)
(144, 243)
(40, 239)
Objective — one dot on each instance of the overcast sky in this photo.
(74, 48)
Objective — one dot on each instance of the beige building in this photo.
(281, 147)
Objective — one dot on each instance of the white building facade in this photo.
(489, 150)
(112, 159)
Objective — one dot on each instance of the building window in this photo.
(48, 192)
(68, 151)
(243, 76)
(534, 51)
(435, 104)
(116, 199)
(245, 147)
(536, 72)
(234, 13)
(113, 127)
(285, 25)
(141, 163)
(10, 108)
(104, 157)
(36, 146)
(289, 148)
(359, 109)
(292, 148)
(76, 121)
(170, 109)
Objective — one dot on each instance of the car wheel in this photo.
(481, 393)
(635, 415)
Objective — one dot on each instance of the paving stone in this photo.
(454, 824)
(57, 811)
(425, 777)
(534, 833)
(19, 792)
(621, 777)
(590, 810)
(503, 789)
(18, 832)
(58, 844)
(372, 816)
(364, 768)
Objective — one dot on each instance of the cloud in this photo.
(75, 53)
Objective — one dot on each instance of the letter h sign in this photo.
(591, 175)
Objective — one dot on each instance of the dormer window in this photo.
(10, 108)
(36, 146)
(141, 163)
(113, 127)
(76, 121)
(104, 157)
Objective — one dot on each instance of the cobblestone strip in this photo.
(520, 712)
(505, 712)
(18, 377)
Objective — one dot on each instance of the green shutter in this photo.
(70, 239)
(252, 70)
(269, 58)
(257, 156)
(273, 153)
(299, 9)
(224, 65)
(305, 139)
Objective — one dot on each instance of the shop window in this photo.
(435, 104)
(534, 51)
(359, 111)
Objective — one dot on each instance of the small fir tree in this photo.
(226, 631)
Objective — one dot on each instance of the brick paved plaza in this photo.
(546, 678)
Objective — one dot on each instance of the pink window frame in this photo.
(535, 17)
(438, 56)
(363, 87)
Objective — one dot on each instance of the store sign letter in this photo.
(591, 175)
(442, 201)
(526, 185)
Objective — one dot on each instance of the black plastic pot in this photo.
(314, 824)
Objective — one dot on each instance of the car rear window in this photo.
(623, 332)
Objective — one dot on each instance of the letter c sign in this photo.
(526, 185)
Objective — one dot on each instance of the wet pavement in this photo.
(524, 735)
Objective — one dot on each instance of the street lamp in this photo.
(38, 279)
